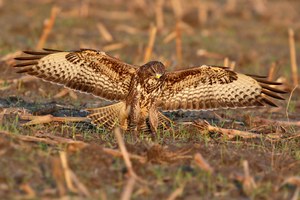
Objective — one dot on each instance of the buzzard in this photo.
(142, 92)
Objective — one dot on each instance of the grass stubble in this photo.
(46, 157)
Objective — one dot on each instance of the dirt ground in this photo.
(242, 154)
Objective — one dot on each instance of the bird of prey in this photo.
(142, 92)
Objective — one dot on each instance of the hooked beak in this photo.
(158, 76)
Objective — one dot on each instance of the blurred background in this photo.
(253, 35)
(256, 37)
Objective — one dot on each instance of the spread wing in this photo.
(85, 70)
(208, 88)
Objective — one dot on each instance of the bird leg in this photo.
(153, 119)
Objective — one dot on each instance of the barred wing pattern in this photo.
(209, 88)
(85, 70)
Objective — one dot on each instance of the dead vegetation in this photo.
(49, 149)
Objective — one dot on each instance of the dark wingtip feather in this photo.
(261, 79)
(38, 53)
(272, 94)
(256, 76)
(52, 50)
(269, 102)
(267, 82)
(23, 64)
(265, 86)
(24, 70)
(28, 58)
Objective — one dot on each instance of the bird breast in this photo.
(148, 92)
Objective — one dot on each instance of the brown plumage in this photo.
(141, 91)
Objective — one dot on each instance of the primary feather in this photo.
(88, 71)
(209, 88)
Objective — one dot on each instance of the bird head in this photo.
(153, 69)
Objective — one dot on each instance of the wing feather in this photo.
(210, 87)
(88, 71)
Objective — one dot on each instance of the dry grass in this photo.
(57, 154)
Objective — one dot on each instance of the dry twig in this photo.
(232, 65)
(28, 190)
(171, 36)
(114, 15)
(66, 170)
(288, 104)
(159, 154)
(127, 192)
(124, 152)
(297, 135)
(231, 6)
(205, 53)
(45, 138)
(293, 57)
(202, 13)
(49, 118)
(57, 173)
(177, 8)
(127, 29)
(226, 62)
(141, 4)
(64, 92)
(178, 42)
(248, 182)
(117, 153)
(294, 180)
(159, 14)
(229, 133)
(149, 48)
(80, 186)
(176, 193)
(272, 71)
(202, 163)
(104, 32)
(24, 79)
(260, 120)
(84, 8)
(72, 181)
(72, 144)
(113, 47)
(48, 25)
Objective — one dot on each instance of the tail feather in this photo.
(163, 123)
(115, 115)
(107, 116)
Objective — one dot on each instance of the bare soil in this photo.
(253, 35)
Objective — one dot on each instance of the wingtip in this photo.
(37, 53)
(51, 50)
(272, 94)
(21, 71)
(28, 58)
(23, 64)
(269, 102)
(273, 89)
(256, 76)
(267, 82)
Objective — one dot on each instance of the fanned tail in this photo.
(163, 123)
(109, 116)
(116, 115)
